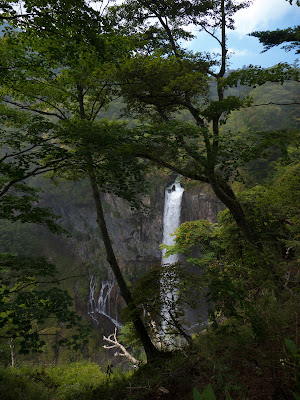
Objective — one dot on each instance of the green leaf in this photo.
(197, 395)
(208, 393)
(291, 346)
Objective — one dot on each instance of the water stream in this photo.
(103, 304)
(171, 221)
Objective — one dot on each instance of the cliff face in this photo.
(136, 236)
(200, 203)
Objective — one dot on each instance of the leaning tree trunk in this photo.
(150, 350)
(220, 187)
(224, 193)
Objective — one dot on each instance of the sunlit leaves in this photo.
(201, 235)
(256, 76)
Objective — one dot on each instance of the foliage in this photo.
(17, 238)
(162, 83)
(239, 282)
(76, 380)
(48, 18)
(102, 140)
(30, 310)
(24, 142)
(17, 384)
(72, 91)
(66, 382)
(207, 394)
(180, 289)
(232, 363)
(160, 79)
(70, 82)
(199, 234)
(275, 38)
(28, 304)
(254, 75)
(294, 352)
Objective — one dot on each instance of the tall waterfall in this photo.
(171, 221)
(103, 304)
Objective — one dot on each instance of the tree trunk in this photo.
(12, 353)
(57, 347)
(224, 193)
(150, 349)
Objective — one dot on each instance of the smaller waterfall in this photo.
(171, 221)
(103, 304)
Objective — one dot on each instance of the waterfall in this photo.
(171, 221)
(103, 304)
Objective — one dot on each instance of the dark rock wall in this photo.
(136, 236)
(200, 203)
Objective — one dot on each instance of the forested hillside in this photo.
(104, 113)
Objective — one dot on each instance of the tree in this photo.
(165, 315)
(164, 78)
(280, 36)
(25, 141)
(71, 82)
(47, 17)
(238, 288)
(27, 304)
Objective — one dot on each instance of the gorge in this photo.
(136, 238)
(80, 255)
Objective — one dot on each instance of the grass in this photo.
(232, 359)
(241, 373)
(66, 382)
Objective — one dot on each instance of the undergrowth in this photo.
(234, 360)
(66, 382)
(230, 361)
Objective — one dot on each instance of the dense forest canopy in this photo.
(67, 69)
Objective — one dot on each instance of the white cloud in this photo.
(239, 53)
(260, 14)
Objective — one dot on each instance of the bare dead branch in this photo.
(112, 339)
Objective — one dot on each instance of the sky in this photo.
(245, 50)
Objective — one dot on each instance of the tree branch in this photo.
(36, 171)
(24, 107)
(276, 104)
(165, 164)
(115, 344)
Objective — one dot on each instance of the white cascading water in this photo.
(171, 221)
(102, 305)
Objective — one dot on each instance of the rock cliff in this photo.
(136, 236)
